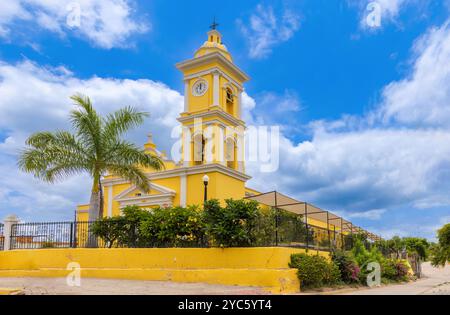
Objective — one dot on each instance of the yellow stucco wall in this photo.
(263, 267)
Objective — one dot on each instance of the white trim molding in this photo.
(216, 88)
(110, 200)
(183, 190)
(212, 113)
(198, 169)
(207, 59)
(147, 200)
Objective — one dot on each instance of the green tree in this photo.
(418, 246)
(95, 147)
(441, 252)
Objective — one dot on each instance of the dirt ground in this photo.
(435, 281)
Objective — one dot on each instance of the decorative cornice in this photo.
(199, 61)
(198, 169)
(158, 188)
(212, 71)
(211, 113)
(151, 200)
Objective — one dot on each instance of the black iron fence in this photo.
(2, 236)
(286, 231)
(53, 235)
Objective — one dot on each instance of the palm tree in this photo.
(95, 147)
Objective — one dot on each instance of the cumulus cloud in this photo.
(36, 98)
(396, 156)
(423, 98)
(104, 23)
(266, 29)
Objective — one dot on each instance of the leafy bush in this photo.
(109, 230)
(389, 269)
(348, 267)
(233, 225)
(173, 227)
(314, 270)
(402, 270)
(132, 235)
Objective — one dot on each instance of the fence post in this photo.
(71, 235)
(9, 221)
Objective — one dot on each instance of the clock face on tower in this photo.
(200, 87)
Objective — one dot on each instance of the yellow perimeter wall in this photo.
(261, 267)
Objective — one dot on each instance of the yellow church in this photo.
(212, 140)
(212, 150)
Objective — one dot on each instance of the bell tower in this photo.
(213, 129)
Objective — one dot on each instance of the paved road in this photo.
(55, 286)
(436, 281)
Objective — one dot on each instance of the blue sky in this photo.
(364, 111)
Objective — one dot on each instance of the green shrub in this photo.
(173, 227)
(348, 267)
(233, 225)
(389, 269)
(132, 235)
(394, 270)
(315, 271)
(401, 271)
(109, 230)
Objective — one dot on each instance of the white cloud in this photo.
(266, 29)
(423, 98)
(396, 156)
(104, 23)
(36, 98)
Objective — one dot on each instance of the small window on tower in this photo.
(230, 101)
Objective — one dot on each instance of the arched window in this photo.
(199, 149)
(230, 101)
(230, 152)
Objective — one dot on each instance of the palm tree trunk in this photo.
(94, 211)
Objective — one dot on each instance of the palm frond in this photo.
(51, 156)
(121, 121)
(87, 123)
(126, 153)
(132, 173)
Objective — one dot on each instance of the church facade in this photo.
(212, 140)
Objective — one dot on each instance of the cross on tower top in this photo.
(214, 24)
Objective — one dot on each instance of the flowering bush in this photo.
(402, 270)
(348, 267)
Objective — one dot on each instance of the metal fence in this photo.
(53, 235)
(284, 230)
(2, 236)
